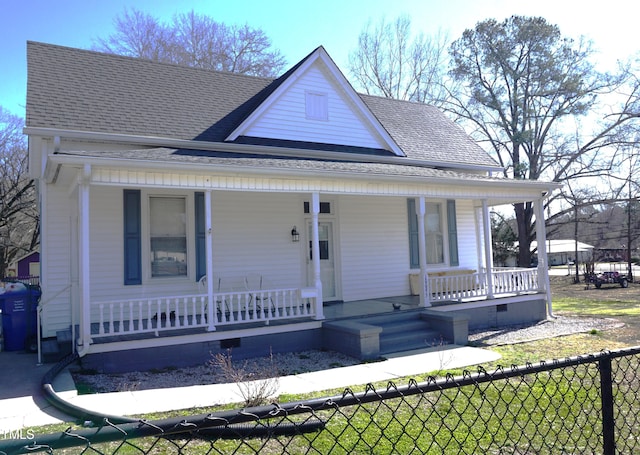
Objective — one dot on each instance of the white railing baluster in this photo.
(177, 315)
(121, 321)
(157, 314)
(111, 318)
(101, 322)
(131, 326)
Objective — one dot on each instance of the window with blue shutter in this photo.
(452, 232)
(414, 248)
(201, 240)
(132, 238)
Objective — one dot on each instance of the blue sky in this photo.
(296, 27)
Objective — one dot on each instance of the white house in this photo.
(563, 251)
(185, 211)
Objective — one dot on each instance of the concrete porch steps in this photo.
(408, 335)
(407, 332)
(375, 336)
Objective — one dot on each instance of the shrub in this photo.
(257, 383)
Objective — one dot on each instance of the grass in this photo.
(611, 308)
(456, 420)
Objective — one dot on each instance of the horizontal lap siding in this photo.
(106, 235)
(374, 247)
(467, 248)
(252, 235)
(55, 262)
(286, 118)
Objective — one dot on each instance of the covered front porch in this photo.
(354, 243)
(262, 307)
(177, 336)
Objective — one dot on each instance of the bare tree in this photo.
(140, 35)
(523, 86)
(194, 40)
(389, 62)
(19, 227)
(204, 43)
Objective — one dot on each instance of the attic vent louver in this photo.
(316, 106)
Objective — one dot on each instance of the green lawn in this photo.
(553, 412)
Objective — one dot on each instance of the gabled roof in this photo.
(318, 57)
(78, 90)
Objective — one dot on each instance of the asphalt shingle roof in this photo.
(224, 159)
(89, 91)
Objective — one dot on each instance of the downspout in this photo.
(425, 293)
(84, 271)
(541, 238)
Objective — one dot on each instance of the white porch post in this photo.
(477, 217)
(315, 251)
(84, 270)
(541, 239)
(425, 293)
(488, 252)
(209, 259)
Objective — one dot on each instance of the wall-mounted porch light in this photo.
(295, 236)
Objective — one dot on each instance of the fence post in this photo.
(606, 391)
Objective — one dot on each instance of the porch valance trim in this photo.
(428, 188)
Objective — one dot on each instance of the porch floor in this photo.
(369, 307)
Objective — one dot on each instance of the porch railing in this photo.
(162, 314)
(515, 281)
(476, 285)
(32, 280)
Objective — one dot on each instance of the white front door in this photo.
(327, 260)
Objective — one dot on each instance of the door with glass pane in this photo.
(327, 259)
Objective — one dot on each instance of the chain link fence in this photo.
(587, 404)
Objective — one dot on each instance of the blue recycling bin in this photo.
(19, 318)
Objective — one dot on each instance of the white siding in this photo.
(467, 249)
(374, 247)
(55, 261)
(286, 118)
(107, 245)
(251, 234)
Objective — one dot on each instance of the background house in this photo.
(561, 252)
(26, 267)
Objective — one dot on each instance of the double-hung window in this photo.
(155, 247)
(433, 233)
(168, 236)
(441, 237)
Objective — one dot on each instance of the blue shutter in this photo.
(453, 233)
(132, 238)
(414, 244)
(201, 240)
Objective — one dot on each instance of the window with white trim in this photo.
(433, 233)
(441, 237)
(168, 236)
